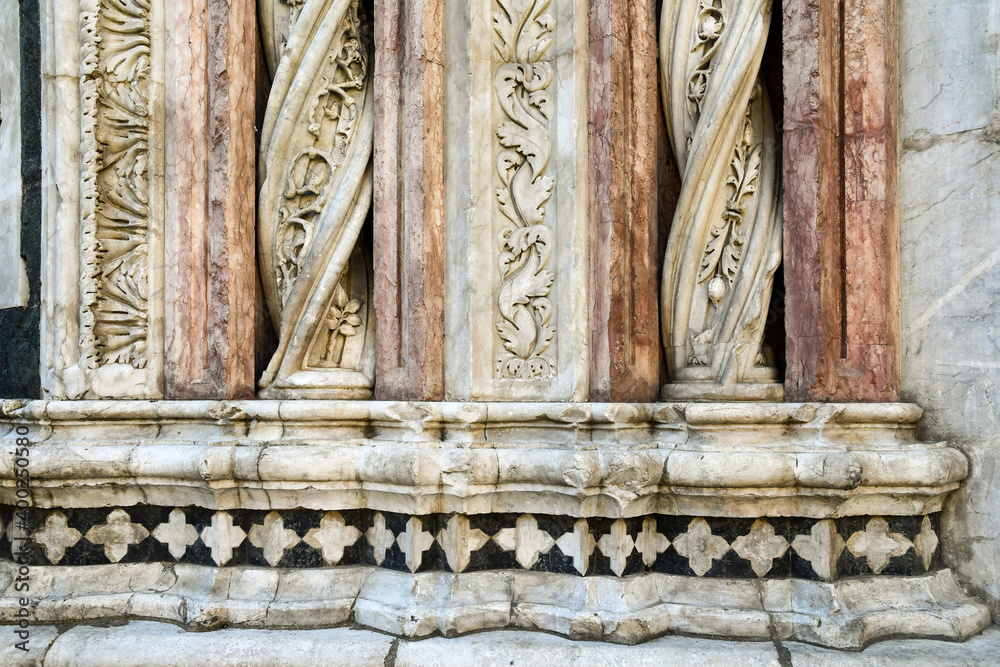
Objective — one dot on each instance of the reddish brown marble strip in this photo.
(841, 275)
(210, 266)
(628, 170)
(409, 199)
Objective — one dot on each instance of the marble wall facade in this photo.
(949, 174)
(479, 337)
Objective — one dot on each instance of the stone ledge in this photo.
(849, 614)
(584, 460)
(143, 642)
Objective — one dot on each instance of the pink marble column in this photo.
(630, 173)
(210, 203)
(841, 266)
(409, 199)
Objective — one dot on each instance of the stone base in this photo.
(849, 614)
(143, 643)
(440, 516)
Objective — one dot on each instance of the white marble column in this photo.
(516, 200)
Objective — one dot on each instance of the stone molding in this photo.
(610, 460)
(846, 615)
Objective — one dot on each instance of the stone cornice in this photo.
(584, 460)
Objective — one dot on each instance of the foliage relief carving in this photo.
(725, 243)
(315, 195)
(522, 37)
(115, 91)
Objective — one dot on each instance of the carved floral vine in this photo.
(115, 91)
(342, 322)
(310, 176)
(522, 36)
(724, 249)
(711, 23)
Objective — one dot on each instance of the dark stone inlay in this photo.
(490, 555)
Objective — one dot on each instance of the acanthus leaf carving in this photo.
(115, 89)
(522, 36)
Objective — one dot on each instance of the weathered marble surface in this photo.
(13, 272)
(841, 297)
(409, 194)
(209, 234)
(846, 615)
(740, 460)
(633, 185)
(135, 642)
(102, 295)
(950, 264)
(526, 299)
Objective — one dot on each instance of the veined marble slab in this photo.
(516, 226)
(13, 274)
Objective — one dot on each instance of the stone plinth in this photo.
(613, 521)
(515, 225)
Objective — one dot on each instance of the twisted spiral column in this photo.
(725, 241)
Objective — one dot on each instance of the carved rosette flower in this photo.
(315, 193)
(725, 242)
(522, 36)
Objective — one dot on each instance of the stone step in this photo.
(149, 643)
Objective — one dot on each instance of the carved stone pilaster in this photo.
(515, 228)
(102, 297)
(315, 194)
(725, 242)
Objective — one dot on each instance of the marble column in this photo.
(209, 235)
(408, 206)
(841, 235)
(633, 187)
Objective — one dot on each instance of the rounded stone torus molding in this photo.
(814, 461)
(845, 615)
(815, 522)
